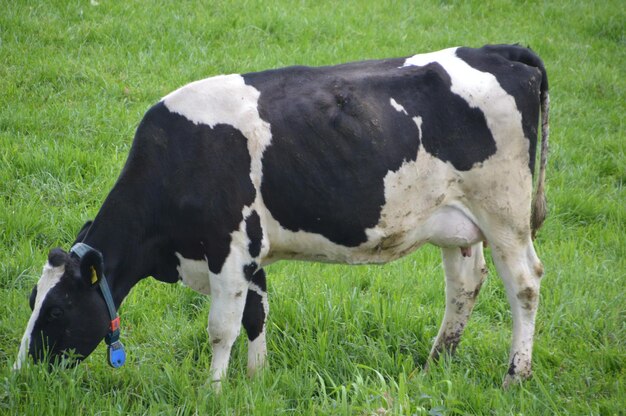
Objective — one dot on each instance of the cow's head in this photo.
(69, 315)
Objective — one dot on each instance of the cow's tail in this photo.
(539, 209)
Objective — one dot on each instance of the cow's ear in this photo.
(57, 257)
(91, 267)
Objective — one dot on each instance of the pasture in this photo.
(75, 80)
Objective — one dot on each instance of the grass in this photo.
(76, 78)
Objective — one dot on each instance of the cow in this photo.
(357, 163)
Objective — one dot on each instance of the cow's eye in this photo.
(55, 313)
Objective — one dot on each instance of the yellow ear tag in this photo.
(94, 275)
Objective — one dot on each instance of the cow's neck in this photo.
(120, 232)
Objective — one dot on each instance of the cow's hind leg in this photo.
(464, 277)
(228, 293)
(254, 317)
(521, 271)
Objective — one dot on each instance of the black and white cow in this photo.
(356, 163)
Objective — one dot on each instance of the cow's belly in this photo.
(447, 226)
(423, 203)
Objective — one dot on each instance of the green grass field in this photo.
(75, 80)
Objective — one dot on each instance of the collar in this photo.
(115, 350)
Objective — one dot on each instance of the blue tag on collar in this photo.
(116, 354)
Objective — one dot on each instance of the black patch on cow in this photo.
(249, 270)
(258, 279)
(255, 234)
(198, 178)
(512, 366)
(521, 74)
(335, 135)
(452, 131)
(253, 317)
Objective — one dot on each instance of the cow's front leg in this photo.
(464, 277)
(228, 293)
(254, 317)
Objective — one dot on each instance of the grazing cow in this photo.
(356, 163)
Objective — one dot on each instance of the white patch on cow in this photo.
(257, 353)
(418, 122)
(413, 194)
(225, 99)
(302, 245)
(399, 108)
(50, 277)
(194, 274)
